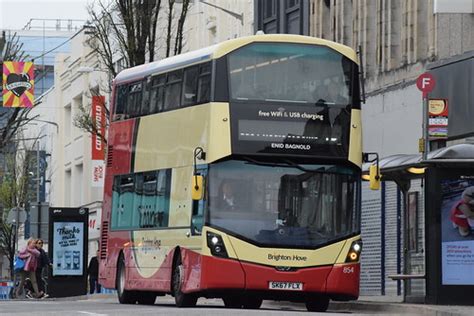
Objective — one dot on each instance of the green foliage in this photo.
(13, 189)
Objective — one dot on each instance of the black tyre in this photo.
(252, 303)
(232, 301)
(146, 298)
(181, 299)
(124, 296)
(317, 304)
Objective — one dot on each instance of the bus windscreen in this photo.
(296, 73)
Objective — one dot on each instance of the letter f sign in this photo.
(425, 83)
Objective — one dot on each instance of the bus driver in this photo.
(227, 196)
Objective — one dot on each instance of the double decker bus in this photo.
(233, 172)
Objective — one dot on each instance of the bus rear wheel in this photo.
(124, 296)
(317, 304)
(181, 299)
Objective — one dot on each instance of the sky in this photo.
(15, 14)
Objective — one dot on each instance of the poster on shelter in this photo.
(68, 247)
(18, 84)
(457, 231)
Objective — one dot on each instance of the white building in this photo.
(213, 21)
(77, 74)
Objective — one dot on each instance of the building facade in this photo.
(213, 21)
(398, 41)
(78, 77)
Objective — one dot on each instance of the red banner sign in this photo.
(98, 116)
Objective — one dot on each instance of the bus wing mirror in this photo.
(374, 177)
(197, 187)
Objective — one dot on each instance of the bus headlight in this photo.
(216, 245)
(354, 251)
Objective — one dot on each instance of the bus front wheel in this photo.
(232, 301)
(181, 299)
(317, 304)
(252, 303)
(124, 296)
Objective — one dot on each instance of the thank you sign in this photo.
(68, 246)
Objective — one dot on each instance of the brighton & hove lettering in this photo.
(279, 257)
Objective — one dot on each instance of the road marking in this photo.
(92, 314)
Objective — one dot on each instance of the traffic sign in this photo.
(425, 83)
(16, 214)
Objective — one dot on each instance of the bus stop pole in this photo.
(425, 127)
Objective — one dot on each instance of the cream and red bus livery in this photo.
(234, 172)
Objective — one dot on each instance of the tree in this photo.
(84, 120)
(128, 28)
(13, 180)
(13, 193)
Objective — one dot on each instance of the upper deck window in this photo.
(297, 73)
(163, 92)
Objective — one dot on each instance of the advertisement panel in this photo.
(98, 173)
(457, 237)
(68, 240)
(68, 249)
(18, 84)
(98, 116)
(98, 146)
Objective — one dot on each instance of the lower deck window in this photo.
(141, 200)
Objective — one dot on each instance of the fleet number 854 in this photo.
(348, 270)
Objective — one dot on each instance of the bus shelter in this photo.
(435, 261)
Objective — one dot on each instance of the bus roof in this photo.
(221, 49)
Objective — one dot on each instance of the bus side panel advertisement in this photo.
(457, 240)
(68, 248)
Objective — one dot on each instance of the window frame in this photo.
(171, 83)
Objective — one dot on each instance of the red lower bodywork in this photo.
(212, 276)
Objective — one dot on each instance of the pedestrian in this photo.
(30, 254)
(43, 261)
(93, 272)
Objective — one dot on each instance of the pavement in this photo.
(394, 305)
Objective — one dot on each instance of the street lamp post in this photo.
(238, 16)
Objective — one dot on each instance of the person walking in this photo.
(30, 254)
(43, 261)
(93, 272)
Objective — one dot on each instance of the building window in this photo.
(287, 16)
